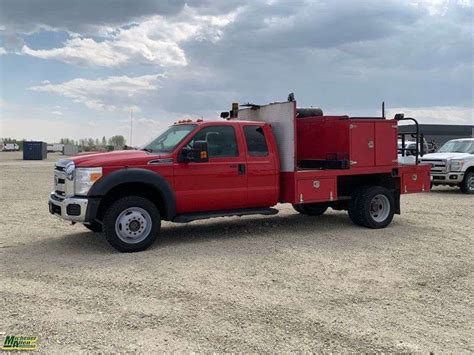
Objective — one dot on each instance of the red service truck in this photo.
(246, 163)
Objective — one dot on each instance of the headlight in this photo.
(456, 164)
(69, 170)
(85, 178)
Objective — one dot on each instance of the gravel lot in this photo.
(281, 283)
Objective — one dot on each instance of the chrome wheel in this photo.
(133, 225)
(379, 208)
(470, 183)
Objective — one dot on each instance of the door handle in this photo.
(241, 169)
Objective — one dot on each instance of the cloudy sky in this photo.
(76, 68)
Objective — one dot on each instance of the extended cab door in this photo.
(220, 183)
(262, 166)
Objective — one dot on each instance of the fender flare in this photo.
(137, 175)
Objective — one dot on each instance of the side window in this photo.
(256, 141)
(221, 141)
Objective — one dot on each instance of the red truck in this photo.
(254, 158)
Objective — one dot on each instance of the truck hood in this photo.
(116, 158)
(447, 156)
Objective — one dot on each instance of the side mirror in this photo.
(201, 153)
(198, 154)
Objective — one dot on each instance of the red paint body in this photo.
(370, 145)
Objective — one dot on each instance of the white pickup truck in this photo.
(453, 164)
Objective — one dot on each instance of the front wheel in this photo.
(131, 224)
(95, 227)
(467, 185)
(372, 207)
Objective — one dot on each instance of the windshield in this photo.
(169, 139)
(458, 147)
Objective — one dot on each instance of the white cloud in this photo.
(57, 113)
(437, 114)
(154, 41)
(145, 120)
(111, 94)
(2, 51)
(440, 7)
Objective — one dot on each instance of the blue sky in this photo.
(76, 69)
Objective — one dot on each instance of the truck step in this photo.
(189, 217)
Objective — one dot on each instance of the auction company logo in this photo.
(13, 342)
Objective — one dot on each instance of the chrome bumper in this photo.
(69, 208)
(451, 178)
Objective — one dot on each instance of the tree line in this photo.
(85, 144)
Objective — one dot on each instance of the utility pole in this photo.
(131, 126)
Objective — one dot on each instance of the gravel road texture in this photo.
(253, 284)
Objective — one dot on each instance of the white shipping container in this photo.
(55, 148)
(70, 149)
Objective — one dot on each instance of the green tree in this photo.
(117, 141)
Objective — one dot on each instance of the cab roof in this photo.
(222, 121)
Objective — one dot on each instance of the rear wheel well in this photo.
(132, 189)
(346, 185)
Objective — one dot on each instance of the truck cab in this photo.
(247, 163)
(453, 164)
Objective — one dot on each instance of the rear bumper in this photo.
(452, 178)
(75, 209)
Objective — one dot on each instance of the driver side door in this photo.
(221, 182)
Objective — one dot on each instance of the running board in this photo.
(189, 217)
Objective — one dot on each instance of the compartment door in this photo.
(386, 133)
(316, 190)
(362, 144)
(416, 181)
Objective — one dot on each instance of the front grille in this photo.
(62, 185)
(437, 165)
(73, 209)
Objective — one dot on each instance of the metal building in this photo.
(70, 149)
(441, 133)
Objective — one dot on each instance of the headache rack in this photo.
(419, 139)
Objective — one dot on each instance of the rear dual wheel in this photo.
(372, 207)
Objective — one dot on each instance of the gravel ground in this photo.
(252, 284)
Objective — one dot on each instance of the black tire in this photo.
(115, 210)
(94, 227)
(364, 200)
(467, 185)
(311, 209)
(353, 210)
